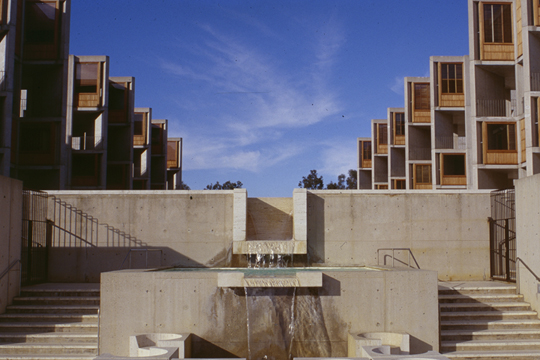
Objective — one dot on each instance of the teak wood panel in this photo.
(381, 187)
(88, 100)
(366, 164)
(522, 140)
(423, 186)
(498, 52)
(453, 180)
(452, 100)
(382, 148)
(536, 12)
(519, 29)
(399, 140)
(421, 116)
(501, 157)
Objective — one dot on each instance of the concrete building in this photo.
(141, 148)
(473, 123)
(174, 163)
(64, 123)
(39, 72)
(158, 148)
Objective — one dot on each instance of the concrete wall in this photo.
(527, 236)
(192, 228)
(448, 232)
(137, 302)
(10, 239)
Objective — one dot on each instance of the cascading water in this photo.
(276, 317)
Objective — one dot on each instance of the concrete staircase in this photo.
(51, 321)
(487, 321)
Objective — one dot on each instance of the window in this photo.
(451, 78)
(86, 78)
(117, 96)
(421, 97)
(501, 136)
(454, 165)
(172, 154)
(36, 138)
(366, 150)
(40, 22)
(138, 125)
(399, 184)
(423, 174)
(497, 23)
(383, 134)
(399, 124)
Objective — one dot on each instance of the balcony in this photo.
(86, 143)
(451, 142)
(420, 153)
(535, 81)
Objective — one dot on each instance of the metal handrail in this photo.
(7, 270)
(518, 259)
(393, 255)
(146, 259)
(74, 235)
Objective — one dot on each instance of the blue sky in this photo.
(264, 91)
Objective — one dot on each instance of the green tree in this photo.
(227, 185)
(339, 185)
(344, 183)
(183, 186)
(352, 179)
(313, 181)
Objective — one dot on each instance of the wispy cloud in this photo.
(251, 100)
(398, 85)
(338, 157)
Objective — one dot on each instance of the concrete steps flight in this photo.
(51, 321)
(487, 321)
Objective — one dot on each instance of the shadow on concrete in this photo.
(315, 231)
(204, 349)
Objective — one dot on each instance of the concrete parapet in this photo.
(298, 279)
(191, 301)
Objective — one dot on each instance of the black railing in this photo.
(75, 228)
(36, 237)
(502, 232)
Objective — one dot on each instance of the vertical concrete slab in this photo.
(10, 239)
(300, 214)
(239, 215)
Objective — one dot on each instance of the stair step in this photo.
(495, 324)
(500, 334)
(49, 318)
(51, 349)
(488, 315)
(49, 338)
(47, 327)
(502, 306)
(490, 345)
(482, 298)
(494, 355)
(53, 309)
(48, 357)
(56, 300)
(59, 292)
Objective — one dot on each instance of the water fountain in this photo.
(266, 310)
